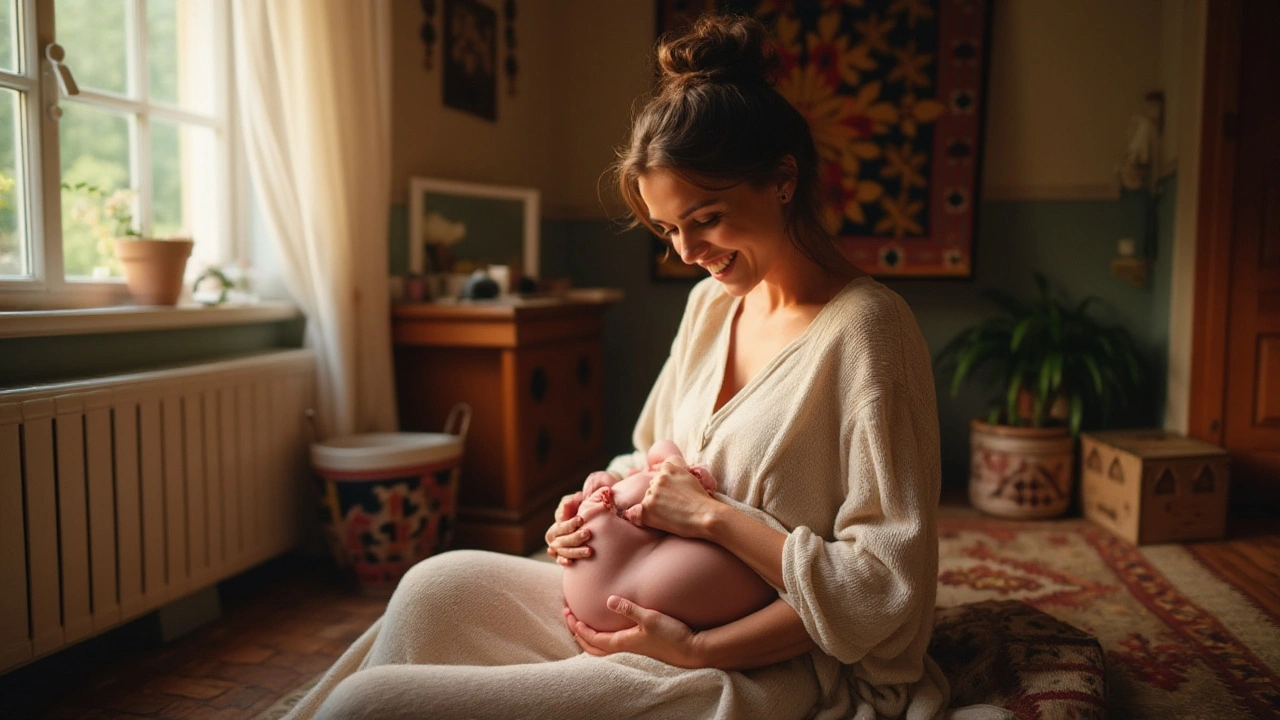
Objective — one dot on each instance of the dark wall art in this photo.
(470, 65)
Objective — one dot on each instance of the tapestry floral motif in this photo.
(867, 103)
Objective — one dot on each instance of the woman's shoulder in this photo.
(872, 331)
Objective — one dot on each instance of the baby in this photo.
(695, 581)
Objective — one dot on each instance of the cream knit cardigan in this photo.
(835, 442)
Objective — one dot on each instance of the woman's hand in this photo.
(566, 538)
(654, 635)
(675, 502)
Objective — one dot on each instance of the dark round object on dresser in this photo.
(526, 285)
(480, 287)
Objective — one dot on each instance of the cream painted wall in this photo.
(606, 66)
(521, 148)
(1064, 80)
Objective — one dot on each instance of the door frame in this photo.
(1214, 221)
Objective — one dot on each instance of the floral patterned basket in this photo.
(388, 500)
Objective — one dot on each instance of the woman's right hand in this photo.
(566, 538)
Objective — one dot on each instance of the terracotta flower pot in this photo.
(1020, 473)
(153, 269)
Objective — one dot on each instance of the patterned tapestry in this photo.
(894, 93)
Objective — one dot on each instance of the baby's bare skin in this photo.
(695, 581)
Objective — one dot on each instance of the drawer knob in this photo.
(538, 384)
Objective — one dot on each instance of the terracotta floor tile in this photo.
(243, 698)
(280, 680)
(142, 702)
(246, 654)
(189, 687)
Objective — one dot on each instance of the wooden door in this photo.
(1236, 360)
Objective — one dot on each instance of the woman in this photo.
(801, 382)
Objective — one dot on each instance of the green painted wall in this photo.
(37, 360)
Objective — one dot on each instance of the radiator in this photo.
(120, 494)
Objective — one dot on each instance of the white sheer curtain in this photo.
(313, 87)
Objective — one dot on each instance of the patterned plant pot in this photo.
(1020, 473)
(389, 500)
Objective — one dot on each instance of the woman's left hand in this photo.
(675, 502)
(654, 635)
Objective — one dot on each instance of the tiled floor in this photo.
(282, 623)
(286, 621)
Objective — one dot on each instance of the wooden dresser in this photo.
(531, 370)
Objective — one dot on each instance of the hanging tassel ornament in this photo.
(512, 67)
(428, 31)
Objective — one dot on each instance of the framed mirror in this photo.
(458, 226)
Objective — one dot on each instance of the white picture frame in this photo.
(488, 214)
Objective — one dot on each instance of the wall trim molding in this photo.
(1100, 191)
(130, 318)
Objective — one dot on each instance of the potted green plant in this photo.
(153, 267)
(1056, 370)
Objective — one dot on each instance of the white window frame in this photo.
(48, 288)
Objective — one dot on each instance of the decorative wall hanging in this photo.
(509, 11)
(471, 58)
(894, 93)
(428, 32)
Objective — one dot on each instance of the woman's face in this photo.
(736, 234)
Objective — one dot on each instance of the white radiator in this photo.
(120, 494)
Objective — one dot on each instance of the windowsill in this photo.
(128, 318)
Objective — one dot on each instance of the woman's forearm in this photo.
(753, 542)
(765, 637)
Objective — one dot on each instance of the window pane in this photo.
(95, 34)
(180, 53)
(8, 36)
(185, 196)
(95, 151)
(15, 257)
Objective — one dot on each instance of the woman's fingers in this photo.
(676, 462)
(569, 506)
(566, 539)
(559, 530)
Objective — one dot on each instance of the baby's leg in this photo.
(597, 480)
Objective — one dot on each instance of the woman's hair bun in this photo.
(717, 48)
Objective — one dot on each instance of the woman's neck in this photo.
(797, 281)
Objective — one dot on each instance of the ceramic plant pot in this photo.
(1020, 473)
(153, 269)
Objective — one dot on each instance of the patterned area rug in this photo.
(1179, 642)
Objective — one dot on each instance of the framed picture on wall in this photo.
(470, 67)
(895, 94)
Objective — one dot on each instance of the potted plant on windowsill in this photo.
(1056, 370)
(153, 267)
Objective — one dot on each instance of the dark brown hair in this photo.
(715, 120)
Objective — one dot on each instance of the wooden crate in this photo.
(1152, 486)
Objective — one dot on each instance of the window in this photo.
(136, 115)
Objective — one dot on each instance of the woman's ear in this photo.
(785, 187)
